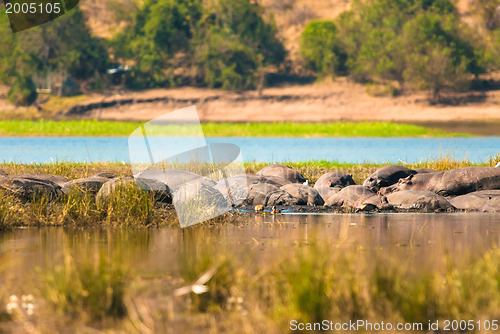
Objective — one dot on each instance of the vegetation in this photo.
(224, 42)
(105, 281)
(210, 129)
(63, 46)
(412, 43)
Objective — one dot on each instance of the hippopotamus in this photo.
(452, 182)
(484, 200)
(284, 172)
(425, 170)
(349, 197)
(333, 179)
(27, 188)
(387, 176)
(305, 195)
(419, 200)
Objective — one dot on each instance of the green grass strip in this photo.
(212, 129)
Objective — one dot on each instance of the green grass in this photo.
(211, 129)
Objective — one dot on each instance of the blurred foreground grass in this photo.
(91, 285)
(212, 129)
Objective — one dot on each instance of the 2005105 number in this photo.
(463, 325)
(33, 8)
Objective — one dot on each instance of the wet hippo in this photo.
(452, 182)
(349, 197)
(386, 176)
(174, 178)
(305, 195)
(419, 200)
(284, 172)
(333, 179)
(484, 200)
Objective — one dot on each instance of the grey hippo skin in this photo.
(387, 176)
(425, 170)
(26, 188)
(484, 200)
(349, 197)
(419, 200)
(160, 191)
(333, 179)
(452, 182)
(284, 172)
(304, 195)
(89, 184)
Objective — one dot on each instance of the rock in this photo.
(160, 191)
(89, 184)
(304, 195)
(349, 197)
(419, 200)
(333, 179)
(284, 172)
(28, 188)
(387, 176)
(425, 170)
(326, 192)
(59, 180)
(452, 182)
(484, 200)
(175, 178)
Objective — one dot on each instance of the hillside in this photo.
(105, 18)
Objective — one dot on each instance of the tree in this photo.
(437, 56)
(320, 47)
(22, 91)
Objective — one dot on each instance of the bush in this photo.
(320, 47)
(225, 62)
(22, 91)
(436, 55)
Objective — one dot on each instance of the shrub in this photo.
(22, 91)
(320, 47)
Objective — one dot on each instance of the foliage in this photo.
(224, 41)
(320, 46)
(419, 43)
(22, 91)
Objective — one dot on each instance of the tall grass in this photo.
(89, 288)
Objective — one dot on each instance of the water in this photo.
(263, 237)
(160, 258)
(355, 150)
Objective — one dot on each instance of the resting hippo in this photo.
(3, 173)
(349, 197)
(326, 192)
(387, 176)
(419, 200)
(484, 200)
(28, 188)
(159, 190)
(89, 184)
(236, 188)
(452, 182)
(59, 180)
(333, 179)
(425, 170)
(174, 178)
(282, 171)
(259, 193)
(305, 195)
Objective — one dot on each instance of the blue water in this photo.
(356, 150)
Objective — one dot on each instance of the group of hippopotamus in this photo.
(389, 188)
